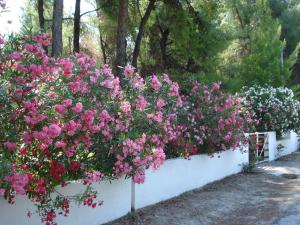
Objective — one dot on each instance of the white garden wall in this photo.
(116, 196)
(289, 142)
(272, 146)
(177, 176)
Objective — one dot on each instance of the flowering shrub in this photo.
(63, 119)
(275, 108)
(210, 121)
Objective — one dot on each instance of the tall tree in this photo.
(140, 34)
(57, 45)
(121, 56)
(40, 6)
(258, 53)
(76, 33)
(288, 14)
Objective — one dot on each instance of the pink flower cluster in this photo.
(17, 182)
(71, 120)
(212, 120)
(92, 177)
(132, 149)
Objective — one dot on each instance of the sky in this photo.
(10, 21)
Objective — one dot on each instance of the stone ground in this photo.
(264, 197)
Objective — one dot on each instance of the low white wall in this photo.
(116, 196)
(272, 145)
(289, 142)
(177, 176)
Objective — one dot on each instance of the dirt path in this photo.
(261, 198)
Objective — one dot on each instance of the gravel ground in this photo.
(264, 197)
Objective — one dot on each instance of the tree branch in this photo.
(71, 18)
(66, 18)
(87, 12)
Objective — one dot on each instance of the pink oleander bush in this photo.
(63, 119)
(210, 121)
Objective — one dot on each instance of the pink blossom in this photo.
(116, 88)
(128, 71)
(95, 76)
(52, 95)
(46, 42)
(126, 107)
(17, 182)
(107, 70)
(141, 103)
(94, 129)
(88, 116)
(27, 138)
(2, 191)
(30, 106)
(92, 177)
(155, 83)
(216, 86)
(71, 127)
(10, 145)
(67, 67)
(16, 56)
(34, 119)
(138, 82)
(155, 139)
(35, 70)
(139, 177)
(70, 151)
(160, 103)
(157, 117)
(20, 80)
(174, 90)
(79, 86)
(60, 109)
(29, 48)
(105, 117)
(54, 130)
(67, 102)
(107, 84)
(122, 167)
(227, 137)
(159, 157)
(60, 144)
(77, 108)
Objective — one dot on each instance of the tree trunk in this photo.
(103, 49)
(163, 47)
(139, 37)
(102, 42)
(57, 45)
(40, 7)
(121, 37)
(76, 34)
